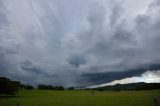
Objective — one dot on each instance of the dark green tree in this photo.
(29, 87)
(71, 88)
(8, 87)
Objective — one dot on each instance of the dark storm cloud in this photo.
(90, 42)
(106, 77)
(76, 60)
(28, 66)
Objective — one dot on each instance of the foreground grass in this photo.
(81, 98)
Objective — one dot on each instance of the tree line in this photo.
(8, 86)
(50, 87)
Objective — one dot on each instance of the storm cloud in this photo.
(78, 43)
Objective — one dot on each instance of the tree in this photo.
(45, 87)
(8, 87)
(58, 88)
(71, 88)
(42, 87)
(29, 87)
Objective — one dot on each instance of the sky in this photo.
(79, 42)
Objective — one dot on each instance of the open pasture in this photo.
(81, 98)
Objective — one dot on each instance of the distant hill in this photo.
(130, 86)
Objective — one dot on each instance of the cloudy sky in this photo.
(79, 42)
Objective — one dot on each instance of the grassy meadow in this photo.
(81, 98)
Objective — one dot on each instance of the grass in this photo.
(81, 98)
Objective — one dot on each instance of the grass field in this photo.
(81, 98)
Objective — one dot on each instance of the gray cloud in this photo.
(91, 42)
(3, 17)
(76, 61)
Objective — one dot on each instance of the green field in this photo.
(81, 98)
